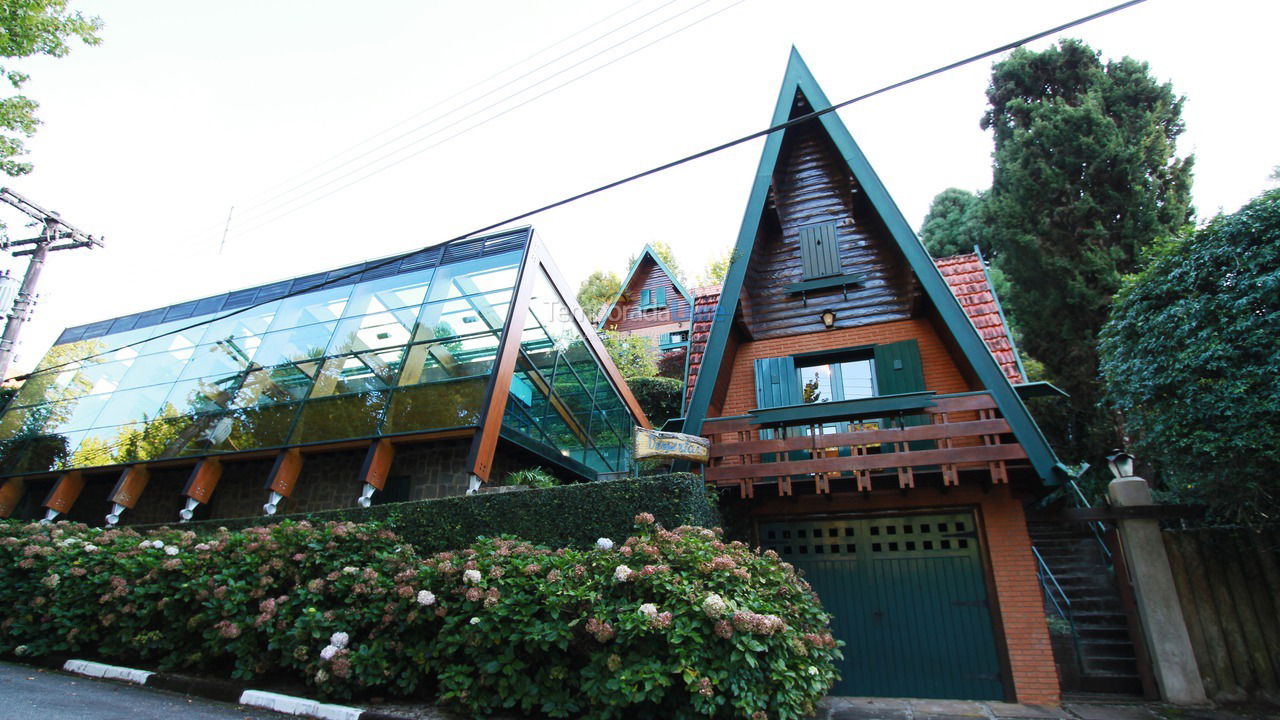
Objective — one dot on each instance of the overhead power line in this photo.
(630, 178)
(263, 217)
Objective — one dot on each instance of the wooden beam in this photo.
(284, 473)
(498, 389)
(65, 492)
(10, 495)
(913, 433)
(203, 480)
(129, 487)
(377, 463)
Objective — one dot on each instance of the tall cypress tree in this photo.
(1085, 176)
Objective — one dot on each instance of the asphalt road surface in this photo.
(28, 693)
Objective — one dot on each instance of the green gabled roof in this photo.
(798, 78)
(649, 252)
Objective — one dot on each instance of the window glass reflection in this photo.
(320, 306)
(389, 293)
(294, 344)
(371, 332)
(448, 359)
(463, 316)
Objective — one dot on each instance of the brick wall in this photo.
(940, 372)
(1016, 598)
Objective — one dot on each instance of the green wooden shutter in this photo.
(645, 298)
(819, 250)
(662, 297)
(899, 370)
(777, 384)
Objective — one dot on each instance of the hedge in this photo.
(565, 516)
(674, 624)
(659, 396)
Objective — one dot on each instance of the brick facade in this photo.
(1017, 606)
(941, 373)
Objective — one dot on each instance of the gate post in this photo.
(1173, 662)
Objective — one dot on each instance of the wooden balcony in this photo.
(956, 432)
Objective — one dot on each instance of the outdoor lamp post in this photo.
(1121, 464)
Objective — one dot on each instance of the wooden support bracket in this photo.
(10, 495)
(203, 480)
(129, 487)
(65, 492)
(284, 474)
(377, 463)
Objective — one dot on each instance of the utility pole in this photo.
(55, 231)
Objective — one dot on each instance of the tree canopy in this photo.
(27, 28)
(716, 270)
(597, 291)
(632, 354)
(1085, 176)
(954, 223)
(1191, 357)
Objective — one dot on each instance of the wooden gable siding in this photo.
(941, 373)
(627, 315)
(812, 185)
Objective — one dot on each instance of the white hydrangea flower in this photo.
(649, 610)
(144, 544)
(328, 652)
(171, 550)
(350, 570)
(90, 548)
(157, 544)
(714, 606)
(604, 544)
(813, 670)
(475, 621)
(622, 573)
(339, 640)
(426, 597)
(471, 576)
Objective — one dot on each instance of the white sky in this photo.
(187, 109)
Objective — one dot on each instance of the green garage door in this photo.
(908, 599)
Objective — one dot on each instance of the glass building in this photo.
(473, 339)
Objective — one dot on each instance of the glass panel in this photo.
(202, 395)
(357, 373)
(246, 429)
(138, 405)
(858, 379)
(249, 323)
(281, 383)
(294, 344)
(561, 396)
(816, 384)
(389, 293)
(373, 332)
(463, 316)
(476, 276)
(222, 358)
(179, 343)
(437, 405)
(320, 306)
(448, 359)
(47, 387)
(155, 369)
(38, 454)
(340, 418)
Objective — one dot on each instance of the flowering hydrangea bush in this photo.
(668, 623)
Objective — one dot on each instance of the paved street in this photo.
(29, 693)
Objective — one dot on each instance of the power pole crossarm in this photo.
(55, 231)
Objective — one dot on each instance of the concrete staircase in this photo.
(1108, 663)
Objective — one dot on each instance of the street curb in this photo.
(225, 691)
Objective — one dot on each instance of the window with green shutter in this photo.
(899, 370)
(819, 250)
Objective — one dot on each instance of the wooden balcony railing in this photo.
(961, 432)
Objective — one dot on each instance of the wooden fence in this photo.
(1228, 583)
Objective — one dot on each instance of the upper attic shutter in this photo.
(819, 250)
(662, 297)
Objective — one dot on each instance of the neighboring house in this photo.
(865, 430)
(394, 379)
(652, 304)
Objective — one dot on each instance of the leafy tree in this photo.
(597, 291)
(954, 224)
(1191, 356)
(1085, 176)
(717, 269)
(27, 28)
(659, 397)
(664, 251)
(632, 354)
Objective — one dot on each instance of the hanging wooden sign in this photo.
(657, 444)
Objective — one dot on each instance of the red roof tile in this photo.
(963, 273)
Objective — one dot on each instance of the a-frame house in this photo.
(866, 432)
(652, 303)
